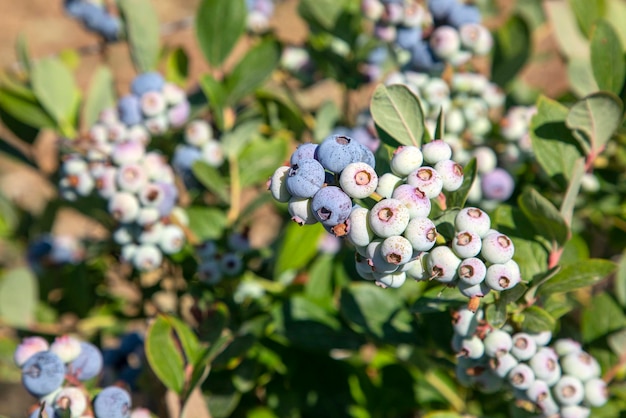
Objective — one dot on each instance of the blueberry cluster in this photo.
(154, 103)
(561, 379)
(53, 251)
(54, 373)
(200, 145)
(138, 186)
(259, 14)
(425, 39)
(217, 261)
(124, 362)
(94, 15)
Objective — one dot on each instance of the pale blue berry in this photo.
(472, 271)
(300, 211)
(360, 233)
(389, 217)
(474, 220)
(331, 206)
(497, 343)
(421, 233)
(278, 185)
(451, 174)
(305, 178)
(581, 365)
(503, 364)
(393, 280)
(466, 244)
(442, 264)
(396, 250)
(465, 322)
(521, 376)
(428, 180)
(569, 391)
(524, 346)
(436, 151)
(387, 183)
(304, 151)
(545, 365)
(596, 393)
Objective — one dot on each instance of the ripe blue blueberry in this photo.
(112, 402)
(331, 206)
(462, 14)
(497, 185)
(337, 151)
(129, 108)
(146, 82)
(43, 373)
(305, 178)
(304, 151)
(440, 9)
(88, 364)
(408, 36)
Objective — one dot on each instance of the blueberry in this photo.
(596, 393)
(423, 59)
(575, 411)
(414, 199)
(337, 151)
(396, 250)
(147, 257)
(172, 239)
(497, 343)
(428, 180)
(112, 402)
(524, 346)
(278, 185)
(497, 248)
(565, 346)
(476, 38)
(465, 322)
(545, 365)
(48, 411)
(472, 271)
(372, 9)
(472, 347)
(358, 180)
(474, 220)
(521, 376)
(146, 82)
(28, 347)
(305, 178)
(129, 109)
(497, 185)
(387, 183)
(304, 151)
(440, 9)
(569, 390)
(466, 244)
(360, 233)
(389, 217)
(128, 152)
(503, 364)
(473, 290)
(462, 14)
(581, 365)
(405, 159)
(178, 114)
(377, 260)
(421, 233)
(300, 210)
(451, 174)
(501, 277)
(331, 206)
(88, 364)
(442, 264)
(445, 42)
(393, 280)
(71, 398)
(408, 36)
(43, 373)
(66, 347)
(435, 151)
(212, 153)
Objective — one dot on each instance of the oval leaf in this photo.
(219, 24)
(54, 87)
(545, 218)
(537, 320)
(576, 276)
(596, 116)
(398, 112)
(100, 96)
(164, 355)
(18, 297)
(142, 30)
(607, 57)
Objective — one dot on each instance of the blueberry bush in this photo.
(434, 237)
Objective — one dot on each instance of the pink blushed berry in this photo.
(28, 347)
(66, 347)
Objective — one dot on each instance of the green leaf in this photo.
(216, 96)
(601, 317)
(440, 128)
(445, 223)
(596, 116)
(21, 50)
(177, 66)
(321, 12)
(458, 198)
(296, 250)
(211, 178)
(319, 286)
(616, 14)
(187, 339)
(580, 75)
(219, 24)
(607, 57)
(252, 71)
(566, 30)
(54, 87)
(397, 111)
(620, 281)
(537, 320)
(259, 159)
(26, 110)
(163, 354)
(587, 13)
(19, 293)
(206, 223)
(576, 276)
(236, 140)
(325, 120)
(101, 95)
(8, 217)
(545, 218)
(554, 146)
(511, 50)
(142, 29)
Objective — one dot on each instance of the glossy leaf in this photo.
(537, 320)
(219, 24)
(142, 30)
(177, 66)
(319, 286)
(251, 72)
(397, 111)
(576, 276)
(25, 109)
(236, 140)
(101, 95)
(296, 249)
(211, 178)
(55, 88)
(554, 146)
(601, 317)
(545, 218)
(596, 117)
(163, 354)
(511, 50)
(19, 293)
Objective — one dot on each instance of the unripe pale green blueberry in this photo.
(569, 390)
(157, 125)
(545, 365)
(497, 248)
(66, 347)
(376, 259)
(581, 365)
(300, 211)
(278, 185)
(442, 264)
(472, 271)
(497, 343)
(147, 257)
(480, 127)
(436, 151)
(415, 269)
(476, 38)
(542, 338)
(128, 252)
(393, 280)
(212, 153)
(472, 219)
(521, 376)
(596, 393)
(396, 250)
(358, 180)
(466, 244)
(501, 277)
(28, 347)
(451, 174)
(465, 322)
(131, 178)
(172, 239)
(406, 159)
(486, 159)
(198, 132)
(360, 233)
(471, 291)
(72, 398)
(565, 346)
(389, 217)
(472, 347)
(151, 234)
(436, 92)
(538, 391)
(152, 103)
(427, 179)
(414, 199)
(421, 233)
(455, 122)
(574, 411)
(387, 183)
(503, 364)
(524, 346)
(147, 216)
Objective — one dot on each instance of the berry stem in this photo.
(375, 196)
